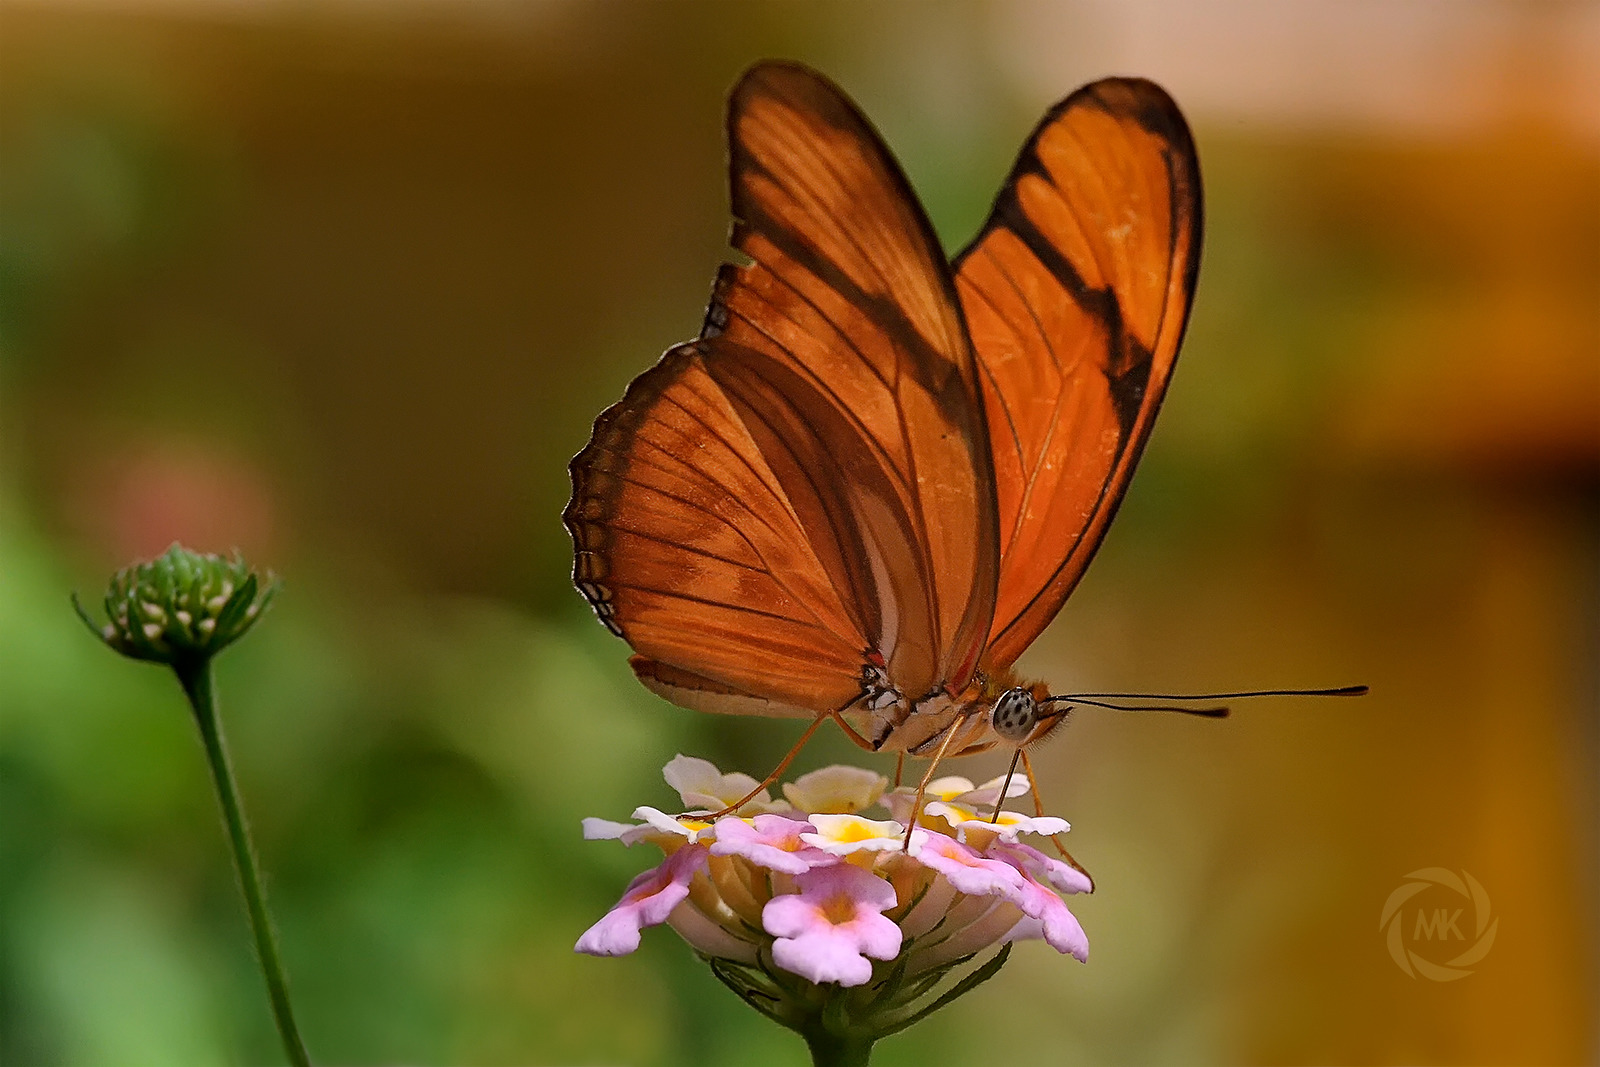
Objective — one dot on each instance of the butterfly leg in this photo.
(850, 731)
(933, 765)
(899, 768)
(1005, 788)
(1038, 810)
(782, 766)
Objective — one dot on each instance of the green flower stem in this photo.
(195, 677)
(832, 1049)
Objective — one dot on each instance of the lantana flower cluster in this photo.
(796, 900)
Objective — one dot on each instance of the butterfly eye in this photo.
(1014, 715)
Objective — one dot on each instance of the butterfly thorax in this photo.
(895, 723)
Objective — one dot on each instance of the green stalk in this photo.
(830, 1049)
(837, 1050)
(833, 1041)
(195, 677)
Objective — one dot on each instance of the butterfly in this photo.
(877, 474)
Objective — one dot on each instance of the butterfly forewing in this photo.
(850, 289)
(1076, 292)
(808, 485)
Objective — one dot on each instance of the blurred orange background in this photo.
(345, 285)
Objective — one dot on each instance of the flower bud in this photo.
(182, 606)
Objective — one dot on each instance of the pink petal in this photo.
(968, 870)
(825, 931)
(1027, 929)
(1062, 931)
(791, 915)
(1061, 928)
(1063, 876)
(773, 842)
(878, 936)
(822, 959)
(866, 888)
(648, 901)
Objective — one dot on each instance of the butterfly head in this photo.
(1014, 716)
(1025, 714)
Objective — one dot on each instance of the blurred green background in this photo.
(345, 286)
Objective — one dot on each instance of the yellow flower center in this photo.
(839, 909)
(855, 831)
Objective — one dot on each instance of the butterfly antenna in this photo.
(1340, 691)
(1219, 712)
(1102, 700)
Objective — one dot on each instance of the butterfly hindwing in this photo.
(1076, 292)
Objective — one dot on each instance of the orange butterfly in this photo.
(876, 476)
